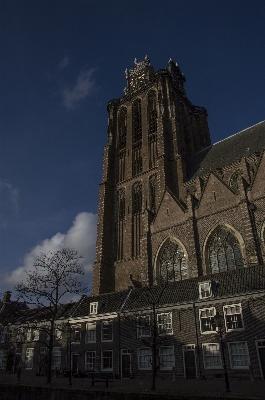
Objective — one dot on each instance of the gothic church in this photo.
(173, 206)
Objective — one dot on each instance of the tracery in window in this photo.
(137, 138)
(172, 263)
(120, 223)
(224, 252)
(233, 183)
(152, 123)
(122, 130)
(136, 211)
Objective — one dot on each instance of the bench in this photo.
(100, 377)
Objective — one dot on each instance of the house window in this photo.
(238, 353)
(106, 331)
(47, 334)
(233, 317)
(29, 335)
(35, 334)
(91, 332)
(56, 357)
(211, 355)
(143, 326)
(90, 360)
(58, 333)
(144, 358)
(19, 337)
(29, 358)
(2, 358)
(164, 323)
(205, 290)
(167, 359)
(94, 308)
(106, 360)
(76, 333)
(207, 322)
(172, 263)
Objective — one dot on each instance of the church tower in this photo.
(152, 130)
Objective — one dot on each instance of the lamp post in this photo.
(219, 329)
(70, 351)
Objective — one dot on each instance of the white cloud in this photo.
(81, 236)
(64, 63)
(82, 88)
(12, 193)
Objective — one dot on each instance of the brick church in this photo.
(173, 206)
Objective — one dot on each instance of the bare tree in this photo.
(54, 276)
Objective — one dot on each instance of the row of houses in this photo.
(115, 332)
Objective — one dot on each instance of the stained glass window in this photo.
(224, 252)
(172, 262)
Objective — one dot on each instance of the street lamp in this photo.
(218, 319)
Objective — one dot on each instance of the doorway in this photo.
(125, 364)
(74, 363)
(260, 344)
(190, 371)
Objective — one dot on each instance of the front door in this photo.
(189, 362)
(125, 364)
(74, 363)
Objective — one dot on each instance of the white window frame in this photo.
(58, 333)
(102, 358)
(143, 326)
(225, 308)
(91, 327)
(56, 356)
(211, 310)
(147, 358)
(217, 355)
(35, 335)
(164, 356)
(203, 288)
(165, 328)
(29, 335)
(93, 358)
(93, 308)
(29, 351)
(238, 354)
(106, 323)
(76, 329)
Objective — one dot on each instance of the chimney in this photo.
(7, 297)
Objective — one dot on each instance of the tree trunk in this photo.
(50, 349)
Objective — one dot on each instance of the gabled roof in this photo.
(231, 283)
(227, 151)
(108, 303)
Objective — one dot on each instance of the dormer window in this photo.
(94, 308)
(205, 290)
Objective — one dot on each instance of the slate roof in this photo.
(231, 283)
(227, 151)
(108, 303)
(43, 314)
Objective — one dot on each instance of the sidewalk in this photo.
(188, 389)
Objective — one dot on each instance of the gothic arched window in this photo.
(152, 113)
(137, 121)
(122, 121)
(224, 252)
(233, 183)
(172, 263)
(136, 212)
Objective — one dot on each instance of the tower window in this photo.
(122, 126)
(224, 252)
(172, 263)
(137, 121)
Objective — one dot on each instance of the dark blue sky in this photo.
(62, 61)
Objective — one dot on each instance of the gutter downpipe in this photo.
(197, 339)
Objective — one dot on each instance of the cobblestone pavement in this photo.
(240, 389)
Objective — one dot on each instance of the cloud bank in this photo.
(82, 88)
(81, 236)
